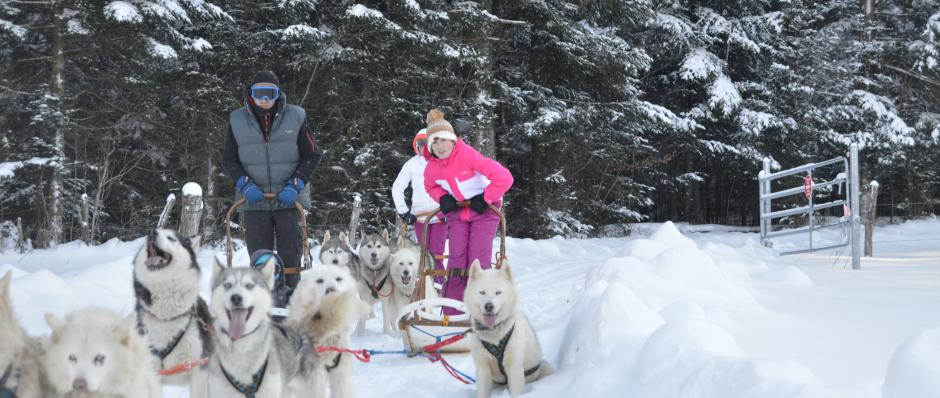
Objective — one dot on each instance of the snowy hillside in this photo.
(667, 315)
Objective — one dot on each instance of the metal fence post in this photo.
(764, 203)
(854, 235)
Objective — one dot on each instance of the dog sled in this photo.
(306, 260)
(422, 321)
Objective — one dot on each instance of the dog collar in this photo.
(249, 390)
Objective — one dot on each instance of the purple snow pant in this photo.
(437, 236)
(469, 240)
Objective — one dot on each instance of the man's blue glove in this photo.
(288, 195)
(251, 191)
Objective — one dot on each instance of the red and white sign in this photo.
(808, 186)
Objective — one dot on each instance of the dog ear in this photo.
(506, 271)
(267, 271)
(385, 234)
(56, 324)
(475, 270)
(344, 238)
(326, 236)
(195, 242)
(5, 282)
(217, 271)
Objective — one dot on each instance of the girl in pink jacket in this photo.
(456, 172)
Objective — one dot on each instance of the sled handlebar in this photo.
(229, 247)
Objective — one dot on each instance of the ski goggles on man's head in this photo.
(421, 143)
(265, 92)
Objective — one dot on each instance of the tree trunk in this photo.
(56, 210)
(481, 92)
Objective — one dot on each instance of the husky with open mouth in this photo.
(403, 270)
(171, 316)
(254, 357)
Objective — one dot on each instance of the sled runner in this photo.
(422, 322)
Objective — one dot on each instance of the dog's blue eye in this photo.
(320, 280)
(227, 285)
(250, 286)
(73, 359)
(99, 359)
(498, 292)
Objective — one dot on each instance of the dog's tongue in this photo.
(236, 327)
(489, 320)
(153, 260)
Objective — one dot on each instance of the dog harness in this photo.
(376, 289)
(249, 390)
(163, 353)
(4, 391)
(499, 351)
(339, 356)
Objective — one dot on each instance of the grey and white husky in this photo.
(373, 278)
(253, 357)
(170, 314)
(20, 373)
(336, 250)
(504, 346)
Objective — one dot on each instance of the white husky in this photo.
(95, 352)
(20, 373)
(170, 313)
(403, 267)
(315, 285)
(504, 347)
(254, 357)
(373, 276)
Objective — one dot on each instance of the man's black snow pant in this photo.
(263, 228)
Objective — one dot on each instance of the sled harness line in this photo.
(248, 390)
(498, 351)
(431, 351)
(183, 367)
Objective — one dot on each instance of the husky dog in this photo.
(374, 283)
(315, 285)
(19, 357)
(337, 251)
(504, 347)
(403, 268)
(96, 353)
(170, 314)
(253, 357)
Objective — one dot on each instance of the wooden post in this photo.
(870, 220)
(84, 223)
(354, 218)
(167, 208)
(191, 213)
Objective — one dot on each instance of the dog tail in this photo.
(337, 312)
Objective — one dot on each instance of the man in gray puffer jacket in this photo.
(270, 149)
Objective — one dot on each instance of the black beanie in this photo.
(265, 76)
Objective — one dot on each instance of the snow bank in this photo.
(914, 369)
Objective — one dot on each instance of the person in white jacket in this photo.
(421, 204)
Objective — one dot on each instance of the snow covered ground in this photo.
(665, 315)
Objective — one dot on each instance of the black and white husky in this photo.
(254, 357)
(170, 314)
(337, 251)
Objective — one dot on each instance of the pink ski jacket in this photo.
(465, 174)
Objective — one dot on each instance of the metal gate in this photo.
(848, 179)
